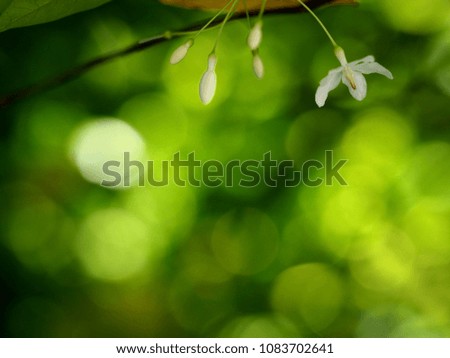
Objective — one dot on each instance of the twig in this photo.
(79, 70)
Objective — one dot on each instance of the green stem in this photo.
(198, 32)
(247, 14)
(320, 23)
(223, 24)
(261, 11)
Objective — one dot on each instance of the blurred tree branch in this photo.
(79, 70)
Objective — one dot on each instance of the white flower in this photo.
(209, 81)
(180, 52)
(351, 75)
(255, 36)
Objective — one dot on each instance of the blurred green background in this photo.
(371, 259)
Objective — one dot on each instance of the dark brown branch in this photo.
(77, 71)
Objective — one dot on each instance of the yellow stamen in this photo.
(348, 73)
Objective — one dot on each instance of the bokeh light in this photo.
(312, 292)
(263, 326)
(420, 16)
(107, 141)
(114, 245)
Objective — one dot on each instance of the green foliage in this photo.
(4, 4)
(20, 13)
(370, 259)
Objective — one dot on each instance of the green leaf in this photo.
(20, 13)
(4, 4)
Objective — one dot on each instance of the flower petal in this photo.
(208, 86)
(373, 67)
(367, 59)
(360, 91)
(327, 84)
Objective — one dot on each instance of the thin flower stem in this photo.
(261, 11)
(320, 23)
(198, 32)
(215, 17)
(247, 14)
(229, 14)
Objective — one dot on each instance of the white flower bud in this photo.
(208, 87)
(255, 37)
(258, 66)
(180, 52)
(209, 81)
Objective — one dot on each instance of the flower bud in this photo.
(180, 52)
(209, 81)
(255, 37)
(258, 66)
